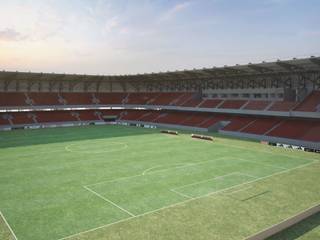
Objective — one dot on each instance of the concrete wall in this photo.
(51, 124)
(163, 125)
(285, 224)
(293, 142)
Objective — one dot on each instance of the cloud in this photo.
(112, 24)
(175, 10)
(10, 34)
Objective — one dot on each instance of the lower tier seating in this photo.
(3, 120)
(55, 116)
(237, 123)
(88, 115)
(301, 129)
(22, 118)
(261, 125)
(297, 129)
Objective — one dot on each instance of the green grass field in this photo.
(115, 182)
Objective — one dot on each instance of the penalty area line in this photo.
(10, 229)
(181, 194)
(109, 201)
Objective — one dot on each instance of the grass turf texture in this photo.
(113, 182)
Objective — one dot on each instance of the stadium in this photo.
(229, 152)
(114, 169)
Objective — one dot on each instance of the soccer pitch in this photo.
(115, 182)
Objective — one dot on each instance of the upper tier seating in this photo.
(257, 105)
(193, 102)
(110, 98)
(233, 104)
(139, 98)
(310, 104)
(77, 98)
(12, 99)
(283, 106)
(165, 98)
(44, 98)
(211, 103)
(182, 99)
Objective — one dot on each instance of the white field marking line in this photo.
(207, 180)
(10, 229)
(262, 164)
(286, 219)
(219, 177)
(168, 169)
(109, 201)
(145, 171)
(124, 146)
(183, 202)
(239, 190)
(154, 172)
(178, 165)
(181, 194)
(248, 175)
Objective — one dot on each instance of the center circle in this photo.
(96, 146)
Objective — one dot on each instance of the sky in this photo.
(118, 37)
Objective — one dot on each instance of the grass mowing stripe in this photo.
(45, 190)
(207, 180)
(184, 165)
(153, 172)
(186, 201)
(262, 164)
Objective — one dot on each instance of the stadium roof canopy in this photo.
(311, 64)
